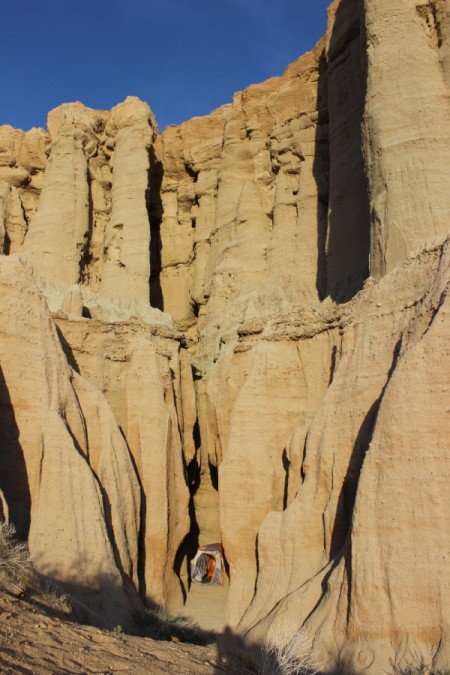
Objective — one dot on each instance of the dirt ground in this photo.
(37, 641)
(205, 605)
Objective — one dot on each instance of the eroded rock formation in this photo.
(244, 338)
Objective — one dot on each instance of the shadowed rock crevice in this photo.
(190, 544)
(6, 244)
(68, 351)
(321, 173)
(141, 552)
(13, 475)
(87, 257)
(155, 214)
(343, 193)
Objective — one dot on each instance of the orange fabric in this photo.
(211, 566)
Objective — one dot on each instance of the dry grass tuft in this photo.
(17, 575)
(16, 570)
(288, 652)
(52, 596)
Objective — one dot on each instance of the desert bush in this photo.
(16, 570)
(159, 624)
(288, 653)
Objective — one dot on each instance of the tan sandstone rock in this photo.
(405, 128)
(22, 164)
(80, 510)
(126, 272)
(56, 238)
(313, 567)
(300, 419)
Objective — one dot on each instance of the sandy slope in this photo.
(36, 642)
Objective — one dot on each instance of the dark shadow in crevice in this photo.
(196, 373)
(6, 244)
(214, 475)
(190, 544)
(13, 475)
(226, 563)
(67, 349)
(193, 474)
(142, 527)
(155, 213)
(333, 364)
(347, 497)
(142, 556)
(86, 257)
(196, 435)
(191, 171)
(343, 213)
(302, 466)
(287, 467)
(321, 172)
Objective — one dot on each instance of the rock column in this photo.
(57, 235)
(126, 272)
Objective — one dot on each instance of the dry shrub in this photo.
(51, 595)
(288, 652)
(16, 570)
(18, 576)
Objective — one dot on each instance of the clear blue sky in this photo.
(184, 57)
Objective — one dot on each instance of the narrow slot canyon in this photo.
(204, 604)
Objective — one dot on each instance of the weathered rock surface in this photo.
(318, 541)
(126, 271)
(22, 164)
(251, 343)
(140, 372)
(405, 122)
(55, 240)
(66, 474)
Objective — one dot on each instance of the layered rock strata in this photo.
(247, 344)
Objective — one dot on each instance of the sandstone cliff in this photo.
(244, 339)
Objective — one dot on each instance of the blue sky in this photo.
(184, 57)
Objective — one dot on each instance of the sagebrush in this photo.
(16, 570)
(288, 652)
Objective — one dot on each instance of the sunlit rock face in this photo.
(237, 331)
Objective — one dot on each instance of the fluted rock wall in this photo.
(141, 372)
(247, 343)
(405, 122)
(55, 479)
(319, 539)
